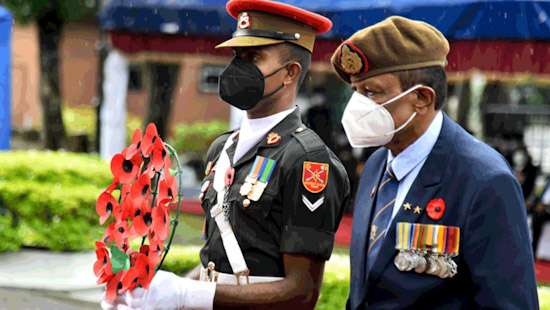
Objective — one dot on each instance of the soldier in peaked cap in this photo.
(273, 192)
(439, 219)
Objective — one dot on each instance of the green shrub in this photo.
(52, 197)
(197, 137)
(82, 120)
(9, 238)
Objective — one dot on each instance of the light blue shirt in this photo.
(407, 164)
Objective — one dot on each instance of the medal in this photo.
(257, 191)
(245, 189)
(433, 266)
(258, 178)
(443, 268)
(421, 265)
(401, 262)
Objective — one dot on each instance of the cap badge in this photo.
(352, 59)
(244, 21)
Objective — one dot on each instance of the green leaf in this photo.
(119, 260)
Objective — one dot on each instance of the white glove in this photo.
(118, 304)
(168, 291)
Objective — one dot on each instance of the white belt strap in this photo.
(230, 244)
(232, 279)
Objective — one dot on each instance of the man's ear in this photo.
(294, 69)
(426, 98)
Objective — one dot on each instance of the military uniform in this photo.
(290, 217)
(286, 194)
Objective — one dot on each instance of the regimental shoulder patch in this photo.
(352, 59)
(315, 176)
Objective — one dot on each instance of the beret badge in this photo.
(352, 60)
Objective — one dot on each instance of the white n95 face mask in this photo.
(368, 124)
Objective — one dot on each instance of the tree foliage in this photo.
(26, 11)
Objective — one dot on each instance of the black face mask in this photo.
(242, 84)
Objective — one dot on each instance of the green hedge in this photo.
(196, 137)
(47, 200)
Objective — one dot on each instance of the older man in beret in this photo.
(439, 220)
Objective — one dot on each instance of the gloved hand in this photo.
(168, 291)
(118, 304)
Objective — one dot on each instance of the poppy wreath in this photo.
(136, 205)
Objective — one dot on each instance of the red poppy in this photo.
(167, 189)
(161, 221)
(112, 186)
(134, 148)
(156, 248)
(105, 205)
(158, 155)
(141, 273)
(151, 136)
(141, 189)
(142, 218)
(436, 209)
(117, 232)
(125, 190)
(114, 286)
(102, 266)
(123, 169)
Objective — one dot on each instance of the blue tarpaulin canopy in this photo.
(5, 78)
(457, 19)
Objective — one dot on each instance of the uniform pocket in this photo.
(260, 208)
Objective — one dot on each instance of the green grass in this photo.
(544, 297)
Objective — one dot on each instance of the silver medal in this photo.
(400, 262)
(453, 268)
(422, 264)
(443, 268)
(433, 266)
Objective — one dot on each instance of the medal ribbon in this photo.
(453, 240)
(256, 167)
(267, 170)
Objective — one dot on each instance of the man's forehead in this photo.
(382, 81)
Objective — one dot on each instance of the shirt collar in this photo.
(258, 127)
(416, 153)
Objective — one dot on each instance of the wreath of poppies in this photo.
(136, 205)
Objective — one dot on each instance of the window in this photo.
(209, 78)
(135, 77)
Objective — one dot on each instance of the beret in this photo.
(394, 44)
